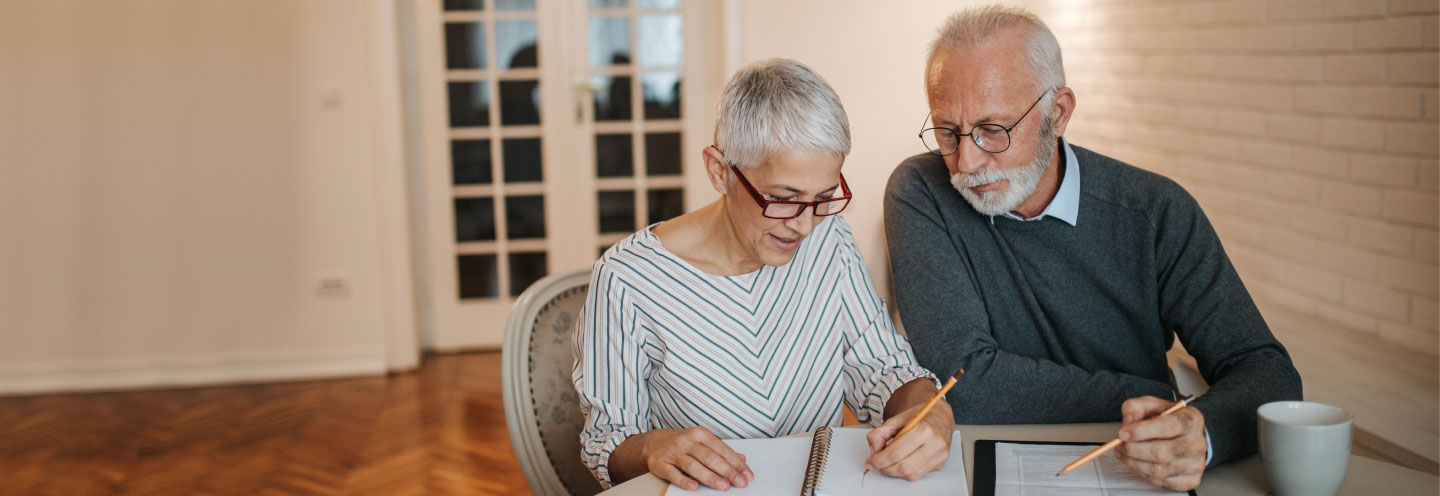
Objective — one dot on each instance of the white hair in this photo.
(974, 26)
(776, 105)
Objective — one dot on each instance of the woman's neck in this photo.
(707, 239)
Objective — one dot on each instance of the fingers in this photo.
(1164, 452)
(696, 469)
(1137, 409)
(676, 476)
(724, 461)
(879, 435)
(1175, 477)
(920, 462)
(919, 452)
(1186, 421)
(695, 456)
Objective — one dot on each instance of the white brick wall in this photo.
(1307, 129)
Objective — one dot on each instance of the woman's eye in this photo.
(780, 198)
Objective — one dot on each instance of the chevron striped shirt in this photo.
(663, 345)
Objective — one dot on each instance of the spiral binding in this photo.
(815, 470)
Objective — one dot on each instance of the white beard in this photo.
(1023, 180)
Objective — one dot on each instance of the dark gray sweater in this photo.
(1057, 323)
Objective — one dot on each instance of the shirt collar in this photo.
(1066, 203)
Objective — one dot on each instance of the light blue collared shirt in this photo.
(1066, 204)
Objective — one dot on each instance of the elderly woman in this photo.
(753, 316)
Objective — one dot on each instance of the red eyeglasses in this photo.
(778, 209)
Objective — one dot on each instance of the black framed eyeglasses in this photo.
(992, 138)
(781, 209)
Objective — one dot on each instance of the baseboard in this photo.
(188, 372)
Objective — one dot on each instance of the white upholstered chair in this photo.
(542, 409)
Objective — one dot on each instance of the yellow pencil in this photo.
(1093, 454)
(928, 405)
(925, 409)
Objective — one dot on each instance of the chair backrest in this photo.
(542, 409)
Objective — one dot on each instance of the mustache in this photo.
(987, 176)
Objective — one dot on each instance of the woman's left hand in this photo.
(922, 450)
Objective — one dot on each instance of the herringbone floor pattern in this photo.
(436, 431)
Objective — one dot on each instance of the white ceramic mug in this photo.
(1304, 446)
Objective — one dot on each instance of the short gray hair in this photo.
(776, 105)
(976, 25)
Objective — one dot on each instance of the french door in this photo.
(549, 130)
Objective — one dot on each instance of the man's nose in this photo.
(969, 158)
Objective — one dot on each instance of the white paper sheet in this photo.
(1029, 470)
(779, 466)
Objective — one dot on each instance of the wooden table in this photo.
(1239, 478)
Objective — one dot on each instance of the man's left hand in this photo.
(1169, 451)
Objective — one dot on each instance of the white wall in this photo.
(175, 177)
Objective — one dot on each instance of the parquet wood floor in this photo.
(439, 430)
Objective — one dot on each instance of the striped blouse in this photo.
(661, 344)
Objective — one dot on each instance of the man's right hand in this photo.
(690, 457)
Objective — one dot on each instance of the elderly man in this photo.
(1058, 277)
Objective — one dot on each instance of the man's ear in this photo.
(1061, 109)
(716, 169)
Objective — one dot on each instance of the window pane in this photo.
(464, 4)
(661, 43)
(662, 154)
(665, 204)
(474, 219)
(465, 45)
(516, 44)
(612, 97)
(662, 95)
(525, 269)
(525, 217)
(478, 276)
(659, 4)
(599, 4)
(617, 211)
(514, 4)
(469, 104)
(522, 160)
(614, 155)
(519, 102)
(609, 41)
(470, 161)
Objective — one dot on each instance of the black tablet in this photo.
(985, 463)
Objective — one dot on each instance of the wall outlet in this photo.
(332, 286)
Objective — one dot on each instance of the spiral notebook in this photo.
(832, 463)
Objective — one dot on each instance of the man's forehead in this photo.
(980, 87)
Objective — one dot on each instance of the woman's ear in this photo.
(716, 169)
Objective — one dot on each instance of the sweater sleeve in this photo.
(610, 373)
(1204, 302)
(949, 329)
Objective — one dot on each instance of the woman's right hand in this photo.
(690, 457)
